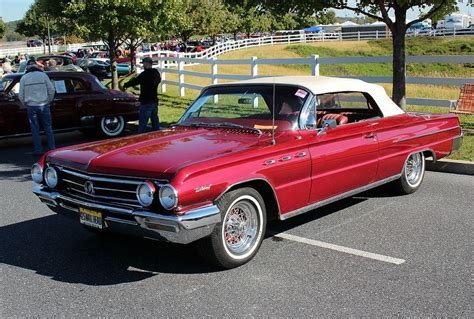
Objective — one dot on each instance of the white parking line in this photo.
(343, 249)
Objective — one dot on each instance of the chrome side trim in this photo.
(269, 162)
(330, 200)
(427, 134)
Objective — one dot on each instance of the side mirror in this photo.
(327, 124)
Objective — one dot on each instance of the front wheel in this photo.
(236, 240)
(412, 175)
(112, 126)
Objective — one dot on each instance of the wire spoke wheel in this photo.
(237, 238)
(414, 169)
(240, 227)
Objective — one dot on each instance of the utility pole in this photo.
(49, 34)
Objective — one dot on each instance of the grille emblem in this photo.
(89, 188)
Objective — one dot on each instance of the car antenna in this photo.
(273, 114)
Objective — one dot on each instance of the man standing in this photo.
(148, 80)
(37, 93)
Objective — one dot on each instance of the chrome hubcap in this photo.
(240, 227)
(414, 169)
(112, 124)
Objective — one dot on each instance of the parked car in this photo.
(242, 154)
(63, 63)
(34, 43)
(99, 68)
(81, 102)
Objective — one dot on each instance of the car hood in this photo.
(154, 155)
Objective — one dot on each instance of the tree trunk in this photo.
(44, 44)
(113, 63)
(399, 67)
(132, 57)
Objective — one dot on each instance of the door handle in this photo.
(301, 154)
(370, 135)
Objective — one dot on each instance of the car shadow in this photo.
(60, 248)
(63, 250)
(277, 226)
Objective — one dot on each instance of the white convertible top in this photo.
(324, 84)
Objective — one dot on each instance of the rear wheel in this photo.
(238, 237)
(112, 126)
(412, 175)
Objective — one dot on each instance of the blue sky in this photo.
(15, 9)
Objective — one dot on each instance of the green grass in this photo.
(419, 46)
(466, 153)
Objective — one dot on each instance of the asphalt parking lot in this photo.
(375, 254)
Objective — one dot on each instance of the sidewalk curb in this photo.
(451, 166)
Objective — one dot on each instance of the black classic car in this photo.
(81, 102)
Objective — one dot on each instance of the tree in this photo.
(35, 23)
(149, 22)
(185, 19)
(115, 22)
(210, 16)
(381, 10)
(326, 17)
(3, 28)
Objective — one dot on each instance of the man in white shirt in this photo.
(37, 93)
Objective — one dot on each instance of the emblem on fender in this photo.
(203, 188)
(89, 188)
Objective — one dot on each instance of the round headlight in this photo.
(145, 193)
(37, 173)
(168, 197)
(51, 177)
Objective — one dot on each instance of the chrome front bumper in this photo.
(191, 226)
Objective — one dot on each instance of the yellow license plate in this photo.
(91, 218)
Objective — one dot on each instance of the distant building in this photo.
(457, 21)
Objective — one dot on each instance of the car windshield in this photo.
(247, 106)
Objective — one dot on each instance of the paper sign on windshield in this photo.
(60, 86)
(301, 93)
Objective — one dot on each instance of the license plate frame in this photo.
(91, 218)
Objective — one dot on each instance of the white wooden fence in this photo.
(232, 45)
(41, 50)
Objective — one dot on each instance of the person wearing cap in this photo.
(148, 80)
(37, 93)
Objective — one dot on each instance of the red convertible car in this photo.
(242, 154)
(81, 102)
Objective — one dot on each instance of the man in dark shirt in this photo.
(148, 81)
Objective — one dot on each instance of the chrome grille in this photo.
(117, 190)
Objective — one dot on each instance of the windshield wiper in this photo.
(228, 124)
(195, 124)
(220, 125)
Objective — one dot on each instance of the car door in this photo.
(13, 114)
(64, 108)
(346, 157)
